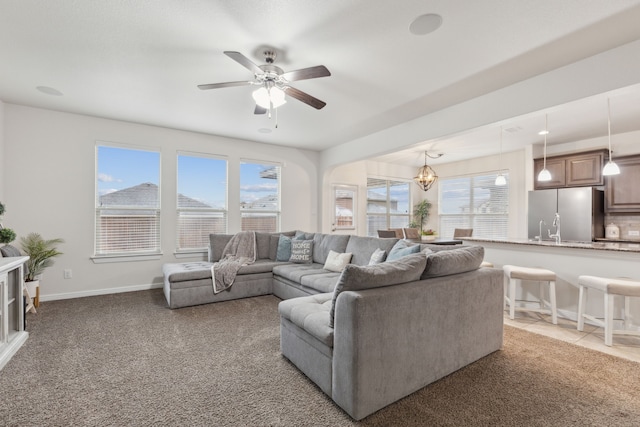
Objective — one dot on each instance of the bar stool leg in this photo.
(552, 297)
(541, 290)
(582, 301)
(512, 298)
(608, 319)
(627, 312)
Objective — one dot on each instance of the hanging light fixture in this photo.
(426, 176)
(610, 168)
(544, 174)
(500, 179)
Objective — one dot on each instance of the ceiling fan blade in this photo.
(227, 84)
(259, 110)
(244, 61)
(304, 97)
(307, 73)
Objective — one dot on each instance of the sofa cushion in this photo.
(295, 272)
(363, 247)
(185, 271)
(301, 235)
(355, 278)
(336, 261)
(453, 261)
(321, 282)
(283, 252)
(263, 245)
(217, 243)
(323, 243)
(301, 251)
(310, 314)
(402, 248)
(377, 257)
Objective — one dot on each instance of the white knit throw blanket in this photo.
(241, 250)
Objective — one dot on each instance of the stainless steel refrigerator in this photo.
(581, 212)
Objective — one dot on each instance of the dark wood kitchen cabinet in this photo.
(622, 192)
(572, 170)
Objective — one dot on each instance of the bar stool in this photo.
(513, 273)
(610, 287)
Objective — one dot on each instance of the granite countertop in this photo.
(603, 246)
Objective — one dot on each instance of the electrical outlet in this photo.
(67, 273)
(634, 233)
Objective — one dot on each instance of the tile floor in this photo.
(592, 337)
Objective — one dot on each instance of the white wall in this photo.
(2, 169)
(49, 188)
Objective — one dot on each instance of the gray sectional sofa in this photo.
(368, 335)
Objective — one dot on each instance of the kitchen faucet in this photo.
(556, 224)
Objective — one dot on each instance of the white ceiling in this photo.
(141, 61)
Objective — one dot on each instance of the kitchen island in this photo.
(568, 260)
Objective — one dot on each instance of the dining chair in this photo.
(462, 232)
(386, 233)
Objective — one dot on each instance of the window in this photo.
(474, 202)
(387, 205)
(127, 201)
(345, 200)
(202, 200)
(259, 197)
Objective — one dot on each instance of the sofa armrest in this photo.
(392, 341)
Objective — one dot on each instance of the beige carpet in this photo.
(126, 360)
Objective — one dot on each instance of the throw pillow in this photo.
(284, 248)
(377, 256)
(402, 248)
(301, 235)
(336, 261)
(355, 277)
(453, 261)
(301, 251)
(9, 251)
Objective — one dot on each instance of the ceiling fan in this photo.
(273, 82)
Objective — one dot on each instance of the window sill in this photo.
(103, 259)
(191, 254)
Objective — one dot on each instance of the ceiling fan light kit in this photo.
(274, 82)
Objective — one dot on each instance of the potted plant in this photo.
(41, 253)
(7, 235)
(429, 235)
(421, 214)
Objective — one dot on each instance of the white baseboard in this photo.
(69, 295)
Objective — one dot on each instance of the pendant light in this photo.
(610, 168)
(500, 179)
(426, 176)
(544, 174)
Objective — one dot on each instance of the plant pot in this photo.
(32, 287)
(430, 238)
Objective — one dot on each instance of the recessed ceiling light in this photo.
(264, 130)
(425, 24)
(543, 132)
(49, 90)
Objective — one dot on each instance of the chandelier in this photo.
(426, 175)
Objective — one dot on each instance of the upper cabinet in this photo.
(622, 192)
(572, 170)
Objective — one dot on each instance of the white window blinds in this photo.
(474, 202)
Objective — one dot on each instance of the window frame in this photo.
(354, 206)
(470, 219)
(388, 215)
(179, 210)
(143, 255)
(278, 211)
